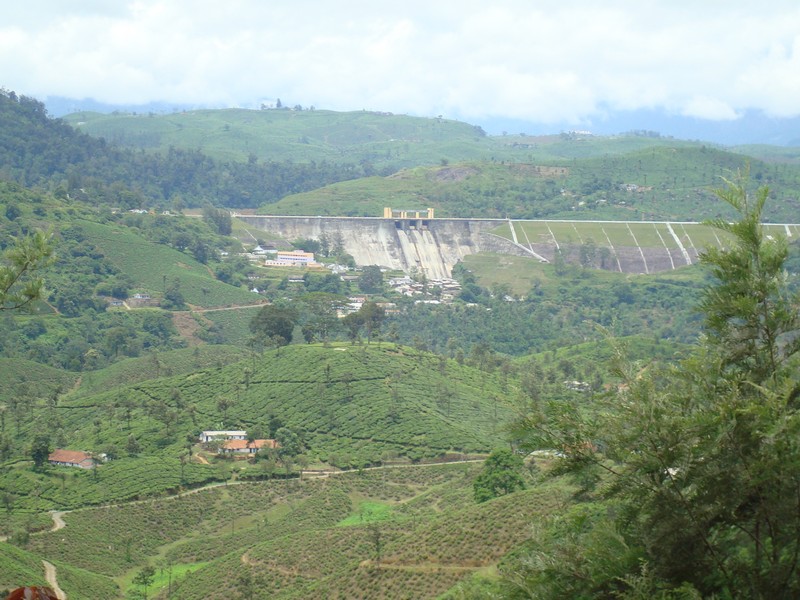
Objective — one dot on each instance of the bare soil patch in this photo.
(187, 327)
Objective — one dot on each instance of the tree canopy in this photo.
(501, 475)
(691, 472)
(274, 323)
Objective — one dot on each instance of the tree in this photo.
(40, 450)
(132, 446)
(372, 316)
(218, 219)
(173, 297)
(371, 280)
(144, 578)
(501, 475)
(288, 442)
(321, 315)
(223, 404)
(274, 323)
(700, 463)
(18, 284)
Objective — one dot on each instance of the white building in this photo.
(215, 436)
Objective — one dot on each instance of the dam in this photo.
(429, 246)
(415, 241)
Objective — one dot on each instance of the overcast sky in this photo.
(535, 60)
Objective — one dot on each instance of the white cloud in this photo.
(712, 109)
(547, 61)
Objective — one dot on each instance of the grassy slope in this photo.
(20, 567)
(152, 265)
(291, 539)
(292, 135)
(521, 274)
(379, 398)
(175, 362)
(347, 136)
(674, 184)
(19, 376)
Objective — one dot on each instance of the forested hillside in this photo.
(37, 150)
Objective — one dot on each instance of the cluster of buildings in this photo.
(442, 291)
(230, 443)
(354, 304)
(235, 442)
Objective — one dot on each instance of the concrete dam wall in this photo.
(434, 246)
(431, 246)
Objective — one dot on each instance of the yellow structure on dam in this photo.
(389, 213)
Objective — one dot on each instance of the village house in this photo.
(71, 458)
(221, 436)
(246, 447)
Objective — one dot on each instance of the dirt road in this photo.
(52, 580)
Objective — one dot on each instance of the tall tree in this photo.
(274, 323)
(321, 315)
(371, 280)
(501, 475)
(40, 450)
(701, 461)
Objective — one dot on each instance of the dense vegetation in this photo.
(36, 150)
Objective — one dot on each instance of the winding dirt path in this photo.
(52, 579)
(58, 522)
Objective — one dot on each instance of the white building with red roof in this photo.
(71, 458)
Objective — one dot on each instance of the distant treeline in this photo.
(36, 150)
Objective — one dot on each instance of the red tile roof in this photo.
(69, 456)
(244, 444)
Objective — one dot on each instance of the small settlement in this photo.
(235, 442)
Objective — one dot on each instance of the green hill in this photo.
(380, 139)
(308, 135)
(660, 183)
(154, 266)
(20, 568)
(21, 377)
(38, 150)
(350, 405)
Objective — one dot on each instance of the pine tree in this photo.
(696, 467)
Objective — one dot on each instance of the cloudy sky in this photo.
(546, 61)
